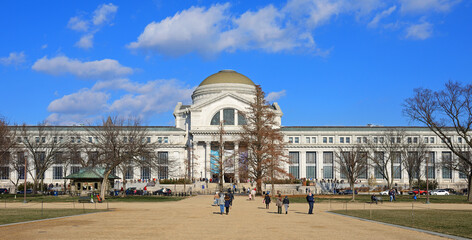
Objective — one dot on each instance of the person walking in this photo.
(390, 193)
(311, 200)
(253, 193)
(279, 204)
(267, 200)
(227, 202)
(221, 202)
(286, 202)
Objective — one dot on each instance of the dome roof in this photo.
(227, 76)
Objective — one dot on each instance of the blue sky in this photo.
(326, 62)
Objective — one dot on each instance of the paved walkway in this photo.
(195, 218)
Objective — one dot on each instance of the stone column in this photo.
(207, 159)
(236, 162)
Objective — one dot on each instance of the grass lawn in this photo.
(453, 222)
(366, 198)
(13, 215)
(67, 198)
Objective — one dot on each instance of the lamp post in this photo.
(427, 181)
(24, 186)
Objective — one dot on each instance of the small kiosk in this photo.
(89, 180)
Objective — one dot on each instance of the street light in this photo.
(24, 186)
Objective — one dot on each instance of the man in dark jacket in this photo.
(267, 200)
(311, 200)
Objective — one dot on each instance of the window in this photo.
(325, 140)
(364, 139)
(348, 140)
(415, 140)
(166, 140)
(216, 119)
(409, 140)
(90, 139)
(431, 139)
(381, 139)
(313, 139)
(379, 161)
(228, 116)
(459, 140)
(60, 139)
(426, 140)
(129, 174)
(74, 169)
(145, 172)
(148, 139)
(399, 139)
(330, 139)
(4, 172)
(328, 165)
(54, 139)
(241, 119)
(72, 139)
(363, 172)
(307, 140)
(163, 169)
(311, 165)
(447, 161)
(431, 165)
(341, 140)
(359, 139)
(57, 172)
(397, 167)
(92, 158)
(36, 139)
(297, 140)
(294, 164)
(376, 140)
(290, 139)
(78, 139)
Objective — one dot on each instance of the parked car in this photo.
(28, 191)
(417, 192)
(4, 191)
(439, 192)
(134, 191)
(450, 190)
(347, 192)
(384, 192)
(163, 191)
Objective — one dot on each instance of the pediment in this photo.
(220, 97)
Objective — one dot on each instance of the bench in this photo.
(84, 199)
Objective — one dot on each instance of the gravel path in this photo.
(195, 218)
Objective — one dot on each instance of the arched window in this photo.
(229, 117)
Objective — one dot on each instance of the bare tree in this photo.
(117, 141)
(445, 112)
(260, 134)
(455, 163)
(352, 162)
(42, 142)
(221, 162)
(7, 144)
(412, 158)
(386, 148)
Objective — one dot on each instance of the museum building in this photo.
(222, 97)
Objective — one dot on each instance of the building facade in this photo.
(192, 142)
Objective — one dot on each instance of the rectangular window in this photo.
(90, 139)
(129, 174)
(313, 139)
(311, 165)
(145, 173)
(228, 116)
(74, 169)
(72, 139)
(36, 139)
(21, 172)
(341, 140)
(330, 139)
(447, 161)
(241, 119)
(363, 172)
(78, 139)
(163, 168)
(166, 140)
(328, 165)
(378, 172)
(415, 140)
(409, 140)
(431, 165)
(297, 140)
(364, 139)
(307, 140)
(148, 139)
(325, 140)
(459, 140)
(54, 139)
(376, 140)
(290, 139)
(57, 172)
(431, 139)
(4, 172)
(379, 163)
(358, 140)
(397, 167)
(381, 139)
(294, 164)
(348, 140)
(426, 140)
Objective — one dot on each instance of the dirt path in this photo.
(195, 218)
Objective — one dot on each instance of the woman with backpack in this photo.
(267, 200)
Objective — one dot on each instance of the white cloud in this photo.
(85, 42)
(78, 24)
(100, 69)
(419, 31)
(104, 13)
(381, 15)
(142, 100)
(274, 96)
(44, 46)
(13, 58)
(422, 6)
(83, 102)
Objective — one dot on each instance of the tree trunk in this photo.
(469, 196)
(104, 186)
(259, 186)
(123, 194)
(353, 192)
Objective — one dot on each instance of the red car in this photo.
(417, 191)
